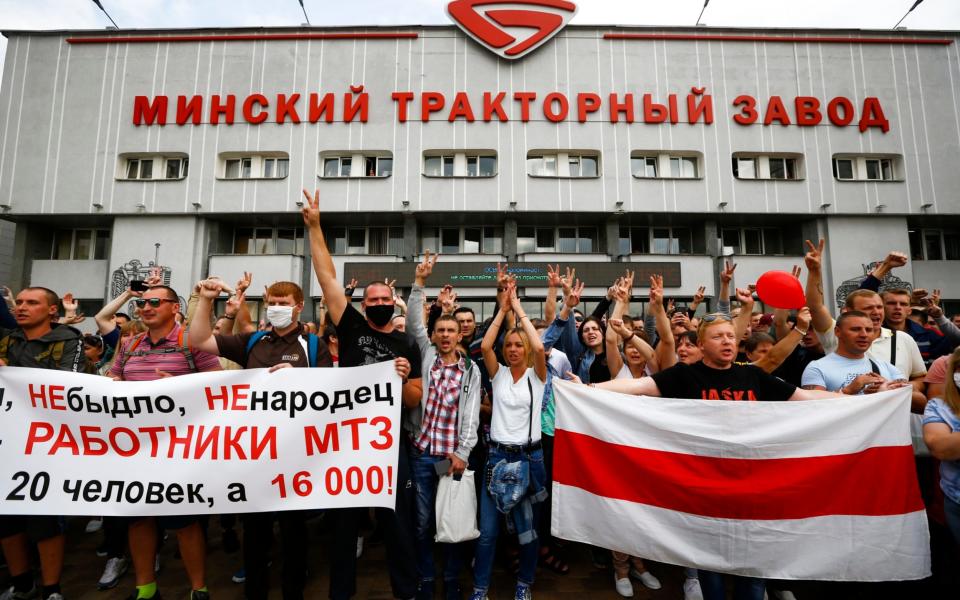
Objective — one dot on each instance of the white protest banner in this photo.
(223, 442)
(820, 489)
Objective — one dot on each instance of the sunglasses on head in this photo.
(715, 317)
(153, 302)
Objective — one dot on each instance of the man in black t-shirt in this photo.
(363, 340)
(716, 377)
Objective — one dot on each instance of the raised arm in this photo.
(820, 316)
(874, 280)
(105, 318)
(666, 353)
(726, 276)
(553, 282)
(697, 298)
(415, 323)
(490, 338)
(786, 344)
(536, 344)
(322, 261)
(201, 337)
(742, 322)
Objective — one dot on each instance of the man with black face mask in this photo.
(365, 340)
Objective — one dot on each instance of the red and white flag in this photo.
(818, 490)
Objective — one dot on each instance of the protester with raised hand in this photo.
(163, 351)
(442, 430)
(514, 477)
(584, 348)
(287, 345)
(369, 338)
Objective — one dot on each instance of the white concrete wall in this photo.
(182, 242)
(89, 89)
(86, 279)
(266, 269)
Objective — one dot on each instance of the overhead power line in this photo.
(100, 6)
(915, 4)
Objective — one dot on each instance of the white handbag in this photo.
(457, 509)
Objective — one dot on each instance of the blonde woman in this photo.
(941, 432)
(515, 451)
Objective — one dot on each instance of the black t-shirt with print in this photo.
(362, 345)
(739, 382)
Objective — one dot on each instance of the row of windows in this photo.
(574, 164)
(93, 244)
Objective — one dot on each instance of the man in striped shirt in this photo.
(161, 352)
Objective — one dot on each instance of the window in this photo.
(563, 164)
(275, 168)
(177, 168)
(653, 164)
(745, 167)
(634, 240)
(157, 167)
(683, 167)
(671, 240)
(752, 240)
(140, 168)
(462, 240)
(366, 240)
(843, 168)
(879, 169)
(481, 166)
(762, 166)
(451, 163)
(274, 165)
(343, 163)
(80, 244)
(238, 168)
(569, 240)
(934, 244)
(644, 166)
(866, 168)
(268, 240)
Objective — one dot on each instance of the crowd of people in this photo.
(479, 396)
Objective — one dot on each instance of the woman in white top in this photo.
(515, 438)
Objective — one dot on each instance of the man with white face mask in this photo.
(289, 344)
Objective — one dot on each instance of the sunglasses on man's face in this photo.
(153, 302)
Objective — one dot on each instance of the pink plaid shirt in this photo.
(438, 428)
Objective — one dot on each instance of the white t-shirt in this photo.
(909, 361)
(510, 423)
(626, 374)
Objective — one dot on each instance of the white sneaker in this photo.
(112, 573)
(359, 546)
(691, 589)
(784, 595)
(646, 578)
(13, 594)
(94, 525)
(624, 587)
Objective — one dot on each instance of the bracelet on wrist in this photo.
(801, 332)
(229, 317)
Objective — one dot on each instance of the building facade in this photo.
(662, 150)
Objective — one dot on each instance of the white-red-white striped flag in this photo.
(819, 490)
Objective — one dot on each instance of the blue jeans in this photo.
(952, 511)
(490, 524)
(745, 588)
(425, 480)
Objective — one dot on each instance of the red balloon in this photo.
(780, 289)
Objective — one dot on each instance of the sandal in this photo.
(553, 562)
